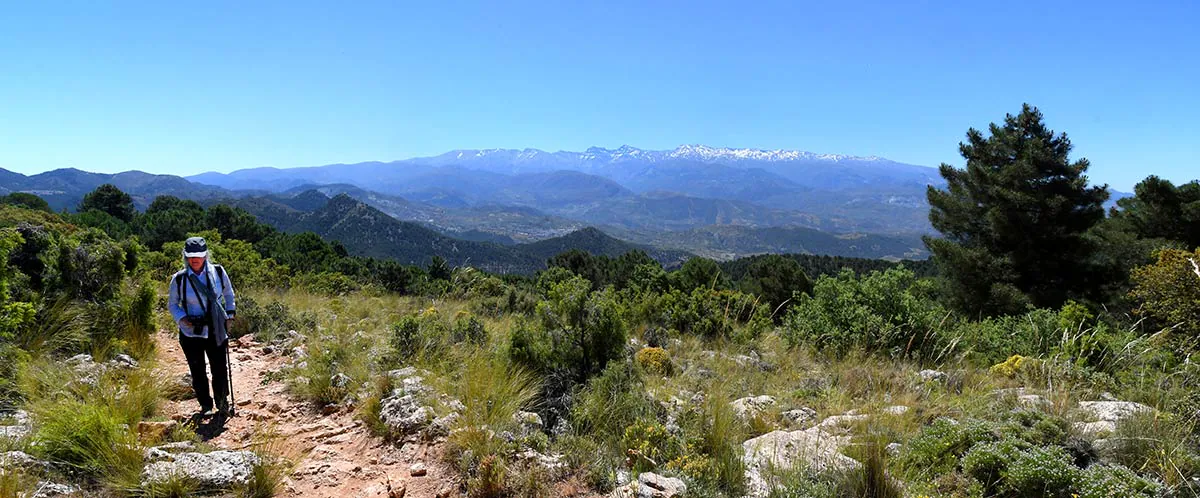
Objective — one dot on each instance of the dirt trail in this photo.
(335, 455)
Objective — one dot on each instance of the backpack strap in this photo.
(220, 278)
(180, 290)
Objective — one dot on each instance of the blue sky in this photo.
(173, 88)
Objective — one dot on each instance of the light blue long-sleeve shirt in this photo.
(193, 300)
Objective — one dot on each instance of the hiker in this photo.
(200, 298)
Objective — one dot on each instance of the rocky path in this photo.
(334, 454)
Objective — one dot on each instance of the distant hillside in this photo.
(367, 231)
(598, 243)
(504, 224)
(729, 242)
(64, 188)
(815, 265)
(827, 191)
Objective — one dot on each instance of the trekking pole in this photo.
(229, 379)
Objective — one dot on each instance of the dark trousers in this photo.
(195, 349)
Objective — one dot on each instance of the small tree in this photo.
(585, 328)
(775, 279)
(1013, 220)
(1169, 290)
(109, 199)
(25, 200)
(699, 272)
(439, 269)
(1161, 210)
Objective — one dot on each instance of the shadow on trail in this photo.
(209, 427)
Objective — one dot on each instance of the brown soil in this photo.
(334, 454)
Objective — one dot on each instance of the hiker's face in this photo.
(196, 263)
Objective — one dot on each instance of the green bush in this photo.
(1040, 471)
(1168, 292)
(988, 463)
(708, 313)
(586, 328)
(1108, 481)
(468, 329)
(268, 322)
(612, 401)
(417, 336)
(940, 445)
(326, 283)
(889, 312)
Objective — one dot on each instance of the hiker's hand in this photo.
(185, 321)
(228, 323)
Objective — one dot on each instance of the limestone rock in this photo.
(1114, 411)
(1102, 418)
(123, 361)
(836, 422)
(47, 489)
(219, 469)
(409, 380)
(781, 451)
(530, 422)
(752, 406)
(404, 415)
(339, 380)
(21, 460)
(21, 425)
(800, 416)
(1034, 402)
(652, 485)
(553, 464)
(895, 410)
(933, 375)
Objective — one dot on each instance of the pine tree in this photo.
(109, 199)
(1161, 210)
(1013, 220)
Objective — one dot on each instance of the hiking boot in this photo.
(207, 411)
(223, 408)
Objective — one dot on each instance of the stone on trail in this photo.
(219, 469)
(403, 415)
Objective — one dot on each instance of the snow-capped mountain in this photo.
(845, 192)
(701, 153)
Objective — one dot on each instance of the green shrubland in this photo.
(1027, 309)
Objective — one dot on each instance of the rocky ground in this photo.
(334, 454)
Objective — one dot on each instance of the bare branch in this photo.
(1195, 267)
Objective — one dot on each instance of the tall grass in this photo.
(1159, 444)
(492, 392)
(61, 326)
(276, 460)
(90, 439)
(13, 484)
